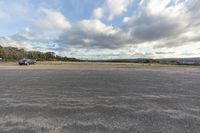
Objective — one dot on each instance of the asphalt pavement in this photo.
(120, 100)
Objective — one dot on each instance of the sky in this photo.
(103, 29)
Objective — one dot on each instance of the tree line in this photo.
(14, 54)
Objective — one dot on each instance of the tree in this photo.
(14, 54)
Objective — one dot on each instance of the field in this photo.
(99, 98)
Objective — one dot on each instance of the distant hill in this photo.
(161, 61)
(182, 60)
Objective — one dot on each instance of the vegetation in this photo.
(14, 54)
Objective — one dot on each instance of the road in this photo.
(99, 99)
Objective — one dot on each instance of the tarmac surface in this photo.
(116, 98)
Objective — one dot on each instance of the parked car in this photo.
(26, 61)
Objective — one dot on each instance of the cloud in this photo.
(49, 24)
(28, 35)
(94, 34)
(112, 8)
(157, 6)
(98, 13)
(117, 7)
(170, 23)
(15, 11)
(158, 29)
(149, 28)
(45, 26)
(9, 42)
(51, 20)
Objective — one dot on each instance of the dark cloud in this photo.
(95, 35)
(151, 27)
(164, 53)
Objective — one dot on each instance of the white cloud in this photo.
(112, 8)
(27, 29)
(49, 24)
(98, 13)
(97, 26)
(117, 7)
(52, 20)
(157, 6)
(10, 42)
